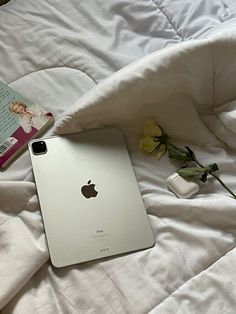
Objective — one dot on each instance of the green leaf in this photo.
(178, 153)
(191, 172)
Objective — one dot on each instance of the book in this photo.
(20, 121)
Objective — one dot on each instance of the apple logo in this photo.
(89, 190)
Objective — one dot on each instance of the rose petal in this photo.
(161, 151)
(147, 144)
(151, 128)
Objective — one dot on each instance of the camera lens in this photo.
(39, 147)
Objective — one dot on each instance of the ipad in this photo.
(89, 197)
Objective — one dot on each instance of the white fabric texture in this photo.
(54, 52)
(99, 37)
(191, 267)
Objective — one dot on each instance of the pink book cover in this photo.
(20, 121)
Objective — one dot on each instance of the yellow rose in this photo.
(151, 141)
(147, 144)
(151, 128)
(161, 151)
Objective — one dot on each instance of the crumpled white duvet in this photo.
(190, 90)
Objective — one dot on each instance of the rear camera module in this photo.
(39, 148)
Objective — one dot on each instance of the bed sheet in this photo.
(191, 267)
(54, 52)
(99, 37)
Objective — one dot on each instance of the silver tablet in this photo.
(90, 201)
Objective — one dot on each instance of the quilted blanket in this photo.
(190, 90)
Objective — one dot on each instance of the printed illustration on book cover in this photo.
(20, 121)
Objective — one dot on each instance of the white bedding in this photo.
(54, 53)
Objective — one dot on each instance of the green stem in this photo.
(198, 163)
(217, 178)
(210, 172)
(222, 183)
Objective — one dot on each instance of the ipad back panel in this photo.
(89, 197)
